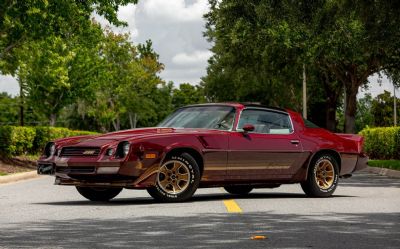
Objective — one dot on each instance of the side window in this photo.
(267, 122)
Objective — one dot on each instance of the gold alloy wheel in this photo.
(324, 174)
(173, 177)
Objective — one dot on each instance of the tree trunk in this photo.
(130, 119)
(351, 108)
(333, 90)
(53, 118)
(331, 117)
(21, 102)
(332, 94)
(116, 124)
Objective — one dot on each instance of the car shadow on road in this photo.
(361, 179)
(330, 230)
(196, 198)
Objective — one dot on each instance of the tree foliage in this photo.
(54, 71)
(22, 21)
(8, 109)
(122, 85)
(187, 94)
(382, 109)
(260, 47)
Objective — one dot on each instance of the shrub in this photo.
(382, 142)
(45, 134)
(17, 140)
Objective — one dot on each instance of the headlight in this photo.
(123, 149)
(50, 149)
(110, 152)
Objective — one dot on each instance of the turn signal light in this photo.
(150, 156)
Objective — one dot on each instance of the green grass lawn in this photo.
(2, 173)
(390, 164)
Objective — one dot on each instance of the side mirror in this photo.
(248, 127)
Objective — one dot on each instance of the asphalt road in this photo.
(364, 213)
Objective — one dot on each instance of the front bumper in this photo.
(94, 172)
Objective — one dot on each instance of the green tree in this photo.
(246, 36)
(187, 94)
(54, 72)
(382, 109)
(260, 47)
(364, 116)
(356, 39)
(27, 20)
(121, 91)
(9, 108)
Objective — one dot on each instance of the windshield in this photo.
(208, 117)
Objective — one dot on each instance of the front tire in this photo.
(322, 178)
(98, 194)
(238, 190)
(177, 179)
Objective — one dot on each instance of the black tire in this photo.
(238, 190)
(161, 191)
(317, 177)
(98, 194)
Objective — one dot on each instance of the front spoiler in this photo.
(145, 180)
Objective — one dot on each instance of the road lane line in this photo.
(232, 206)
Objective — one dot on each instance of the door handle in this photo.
(294, 141)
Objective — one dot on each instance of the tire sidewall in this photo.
(194, 178)
(332, 188)
(98, 194)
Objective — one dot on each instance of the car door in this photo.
(271, 151)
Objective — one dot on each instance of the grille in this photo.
(79, 151)
(75, 170)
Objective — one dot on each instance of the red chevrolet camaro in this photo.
(236, 146)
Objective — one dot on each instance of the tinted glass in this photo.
(208, 117)
(309, 124)
(267, 122)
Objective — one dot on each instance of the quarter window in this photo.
(267, 122)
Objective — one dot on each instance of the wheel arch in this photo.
(193, 152)
(331, 152)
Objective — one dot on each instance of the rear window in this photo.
(309, 124)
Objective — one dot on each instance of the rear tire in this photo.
(238, 190)
(177, 179)
(322, 177)
(98, 194)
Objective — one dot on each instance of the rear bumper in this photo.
(362, 161)
(352, 163)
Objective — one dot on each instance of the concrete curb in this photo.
(383, 172)
(18, 177)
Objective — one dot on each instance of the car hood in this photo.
(126, 135)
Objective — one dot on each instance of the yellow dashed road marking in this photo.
(232, 206)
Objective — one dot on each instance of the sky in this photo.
(176, 29)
